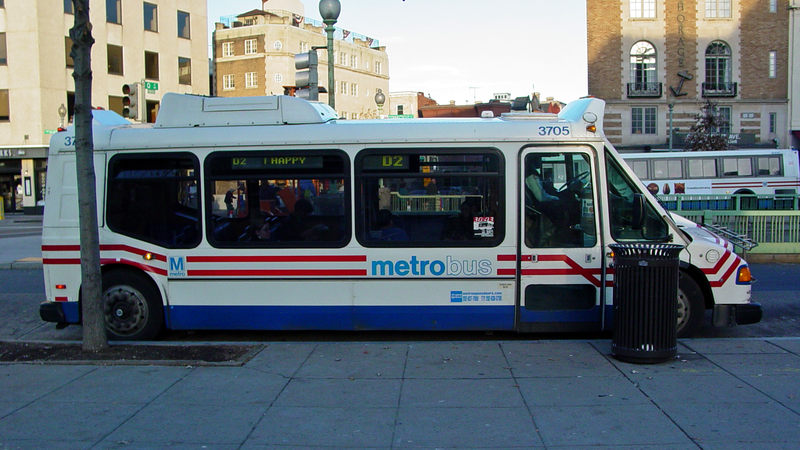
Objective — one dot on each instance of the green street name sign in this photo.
(401, 116)
(150, 86)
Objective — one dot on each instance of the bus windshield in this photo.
(621, 190)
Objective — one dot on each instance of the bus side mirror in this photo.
(638, 211)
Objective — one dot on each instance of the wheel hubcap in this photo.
(125, 310)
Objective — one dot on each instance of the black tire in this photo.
(691, 306)
(132, 307)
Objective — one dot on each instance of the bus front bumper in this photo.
(730, 315)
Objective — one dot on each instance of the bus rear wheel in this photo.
(132, 307)
(691, 306)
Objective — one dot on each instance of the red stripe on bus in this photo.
(61, 248)
(145, 267)
(714, 270)
(129, 249)
(511, 272)
(284, 258)
(61, 261)
(62, 299)
(506, 257)
(279, 273)
(725, 277)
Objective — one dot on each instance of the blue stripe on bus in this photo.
(72, 313)
(341, 318)
(576, 316)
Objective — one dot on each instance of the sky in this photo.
(466, 50)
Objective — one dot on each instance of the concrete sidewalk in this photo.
(719, 394)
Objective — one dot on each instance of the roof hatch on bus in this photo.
(181, 111)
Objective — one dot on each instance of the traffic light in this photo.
(130, 103)
(306, 79)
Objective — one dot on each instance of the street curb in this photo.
(773, 258)
(24, 264)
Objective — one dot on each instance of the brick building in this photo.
(645, 55)
(254, 55)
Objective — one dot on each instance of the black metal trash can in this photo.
(645, 302)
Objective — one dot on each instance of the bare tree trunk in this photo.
(94, 330)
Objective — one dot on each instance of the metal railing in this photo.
(772, 202)
(430, 203)
(775, 232)
(652, 90)
(719, 89)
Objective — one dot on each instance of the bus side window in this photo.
(621, 209)
(429, 198)
(154, 199)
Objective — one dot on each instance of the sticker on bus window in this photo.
(483, 227)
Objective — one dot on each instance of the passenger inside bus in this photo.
(388, 230)
(298, 227)
(462, 226)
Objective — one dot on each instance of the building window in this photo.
(114, 60)
(343, 58)
(344, 88)
(277, 45)
(773, 64)
(227, 83)
(643, 120)
(378, 67)
(151, 65)
(150, 17)
(354, 90)
(5, 109)
(718, 8)
(773, 6)
(184, 71)
(303, 47)
(68, 50)
(250, 46)
(114, 11)
(725, 113)
(773, 122)
(227, 49)
(354, 62)
(250, 80)
(184, 29)
(3, 50)
(399, 110)
(68, 7)
(718, 67)
(643, 9)
(643, 68)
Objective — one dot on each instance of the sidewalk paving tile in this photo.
(732, 346)
(556, 359)
(748, 445)
(581, 391)
(760, 364)
(690, 389)
(37, 444)
(346, 426)
(70, 422)
(224, 386)
(28, 382)
(729, 423)
(632, 425)
(142, 384)
(190, 424)
(281, 359)
(460, 393)
(355, 360)
(790, 345)
(456, 360)
(784, 390)
(498, 428)
(338, 392)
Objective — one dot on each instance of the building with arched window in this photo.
(682, 53)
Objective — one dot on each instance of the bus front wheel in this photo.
(132, 307)
(691, 307)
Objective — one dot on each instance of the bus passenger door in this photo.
(561, 270)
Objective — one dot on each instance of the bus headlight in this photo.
(744, 276)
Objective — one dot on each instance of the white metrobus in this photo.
(270, 213)
(728, 172)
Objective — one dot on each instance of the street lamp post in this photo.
(671, 134)
(329, 10)
(380, 99)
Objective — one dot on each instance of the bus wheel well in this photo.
(744, 192)
(702, 282)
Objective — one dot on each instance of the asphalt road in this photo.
(21, 292)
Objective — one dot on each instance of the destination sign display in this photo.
(276, 162)
(386, 162)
